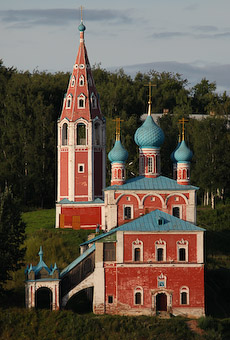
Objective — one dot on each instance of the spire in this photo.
(41, 254)
(150, 98)
(81, 100)
(118, 128)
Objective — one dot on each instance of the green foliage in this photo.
(11, 235)
(66, 325)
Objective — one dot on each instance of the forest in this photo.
(30, 105)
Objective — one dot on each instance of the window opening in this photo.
(110, 299)
(182, 254)
(127, 213)
(184, 299)
(81, 80)
(160, 253)
(137, 298)
(137, 254)
(64, 134)
(81, 134)
(97, 134)
(109, 251)
(150, 164)
(176, 212)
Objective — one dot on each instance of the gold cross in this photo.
(182, 122)
(118, 127)
(150, 97)
(81, 7)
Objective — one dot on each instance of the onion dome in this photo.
(81, 27)
(172, 156)
(149, 134)
(118, 153)
(183, 153)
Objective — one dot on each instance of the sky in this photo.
(190, 37)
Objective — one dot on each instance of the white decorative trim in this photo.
(137, 244)
(127, 206)
(81, 168)
(184, 289)
(160, 244)
(182, 244)
(161, 281)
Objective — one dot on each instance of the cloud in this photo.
(193, 72)
(52, 17)
(205, 28)
(210, 35)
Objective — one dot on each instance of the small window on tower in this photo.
(150, 164)
(81, 168)
(81, 134)
(81, 101)
(73, 81)
(81, 80)
(64, 134)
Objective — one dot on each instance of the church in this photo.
(149, 257)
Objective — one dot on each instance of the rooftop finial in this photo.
(81, 27)
(182, 122)
(40, 253)
(118, 127)
(150, 97)
(81, 13)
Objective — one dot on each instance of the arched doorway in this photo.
(81, 302)
(161, 302)
(43, 298)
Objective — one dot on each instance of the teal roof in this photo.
(158, 183)
(41, 264)
(149, 134)
(156, 220)
(96, 201)
(78, 260)
(81, 27)
(172, 156)
(118, 153)
(183, 153)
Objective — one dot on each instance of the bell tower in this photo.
(81, 137)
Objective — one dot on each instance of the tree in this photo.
(12, 236)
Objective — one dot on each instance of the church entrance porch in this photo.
(44, 298)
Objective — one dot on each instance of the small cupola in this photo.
(118, 156)
(149, 137)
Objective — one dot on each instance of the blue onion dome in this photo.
(118, 153)
(183, 153)
(81, 27)
(172, 156)
(149, 134)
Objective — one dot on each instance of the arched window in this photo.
(142, 165)
(69, 101)
(81, 101)
(160, 247)
(138, 296)
(73, 81)
(97, 134)
(137, 254)
(81, 80)
(93, 101)
(64, 134)
(160, 254)
(137, 250)
(128, 212)
(182, 250)
(182, 254)
(157, 164)
(150, 164)
(81, 134)
(184, 296)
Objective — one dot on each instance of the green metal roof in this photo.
(96, 201)
(78, 260)
(158, 183)
(156, 220)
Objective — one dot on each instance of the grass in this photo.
(39, 219)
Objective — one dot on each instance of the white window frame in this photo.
(137, 244)
(184, 289)
(150, 164)
(160, 244)
(138, 289)
(69, 101)
(73, 80)
(127, 206)
(79, 166)
(182, 244)
(81, 97)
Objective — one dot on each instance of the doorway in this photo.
(44, 298)
(161, 302)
